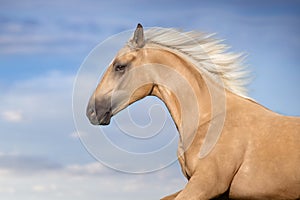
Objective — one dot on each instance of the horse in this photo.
(228, 143)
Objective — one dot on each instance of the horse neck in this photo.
(187, 94)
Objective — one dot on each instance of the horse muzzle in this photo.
(99, 111)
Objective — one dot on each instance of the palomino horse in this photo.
(228, 143)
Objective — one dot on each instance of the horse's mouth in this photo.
(105, 119)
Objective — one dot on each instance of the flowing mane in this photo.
(207, 53)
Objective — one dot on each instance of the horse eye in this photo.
(120, 67)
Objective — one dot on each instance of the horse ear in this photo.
(138, 37)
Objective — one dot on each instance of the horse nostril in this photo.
(90, 112)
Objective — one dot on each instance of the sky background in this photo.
(42, 46)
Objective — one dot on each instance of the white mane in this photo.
(208, 54)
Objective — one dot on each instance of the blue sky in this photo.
(42, 45)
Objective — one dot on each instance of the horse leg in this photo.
(208, 182)
(224, 196)
(172, 196)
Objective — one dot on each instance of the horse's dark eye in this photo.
(120, 67)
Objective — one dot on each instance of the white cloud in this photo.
(82, 181)
(7, 190)
(39, 188)
(46, 43)
(87, 169)
(74, 135)
(46, 96)
(40, 114)
(77, 134)
(12, 116)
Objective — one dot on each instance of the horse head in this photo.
(123, 83)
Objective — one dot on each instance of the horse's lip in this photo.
(106, 118)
